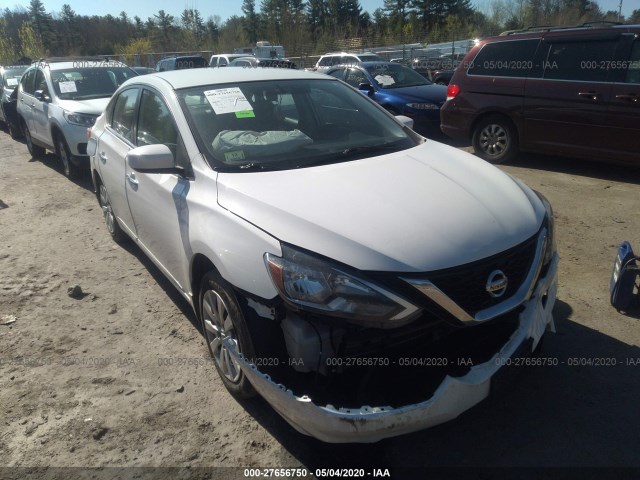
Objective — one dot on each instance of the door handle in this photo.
(103, 157)
(629, 97)
(589, 95)
(131, 177)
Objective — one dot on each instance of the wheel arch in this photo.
(497, 112)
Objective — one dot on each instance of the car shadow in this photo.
(567, 165)
(580, 409)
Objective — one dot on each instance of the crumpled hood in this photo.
(422, 209)
(94, 106)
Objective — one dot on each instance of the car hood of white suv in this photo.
(422, 209)
(94, 106)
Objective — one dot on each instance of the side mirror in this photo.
(366, 87)
(406, 121)
(151, 157)
(40, 95)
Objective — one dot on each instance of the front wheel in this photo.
(71, 171)
(223, 319)
(495, 139)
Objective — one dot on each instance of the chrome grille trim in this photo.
(524, 292)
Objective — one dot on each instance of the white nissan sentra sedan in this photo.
(365, 281)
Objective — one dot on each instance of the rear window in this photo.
(190, 62)
(512, 58)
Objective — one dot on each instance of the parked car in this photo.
(224, 59)
(398, 89)
(9, 80)
(442, 77)
(143, 70)
(329, 60)
(262, 62)
(181, 63)
(59, 98)
(328, 251)
(562, 91)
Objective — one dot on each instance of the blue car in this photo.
(399, 89)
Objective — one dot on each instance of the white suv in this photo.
(365, 281)
(58, 100)
(343, 58)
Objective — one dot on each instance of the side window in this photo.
(513, 58)
(338, 73)
(325, 62)
(123, 116)
(155, 123)
(214, 62)
(633, 71)
(27, 81)
(41, 82)
(584, 61)
(222, 62)
(355, 77)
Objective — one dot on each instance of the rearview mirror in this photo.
(40, 95)
(366, 87)
(151, 157)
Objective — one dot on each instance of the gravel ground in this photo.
(118, 376)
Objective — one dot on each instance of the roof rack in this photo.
(95, 58)
(549, 28)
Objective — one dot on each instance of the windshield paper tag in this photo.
(12, 82)
(228, 100)
(68, 87)
(234, 156)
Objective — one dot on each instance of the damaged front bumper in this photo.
(453, 396)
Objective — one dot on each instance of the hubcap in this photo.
(218, 326)
(107, 211)
(494, 139)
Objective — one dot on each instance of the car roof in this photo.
(178, 79)
(586, 28)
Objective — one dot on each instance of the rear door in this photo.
(26, 100)
(566, 110)
(41, 129)
(624, 108)
(113, 146)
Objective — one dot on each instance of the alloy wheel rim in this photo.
(107, 211)
(218, 325)
(494, 140)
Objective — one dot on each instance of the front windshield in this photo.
(12, 77)
(90, 82)
(285, 124)
(395, 76)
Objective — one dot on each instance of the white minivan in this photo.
(366, 281)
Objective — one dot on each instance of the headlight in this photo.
(550, 246)
(80, 119)
(313, 284)
(423, 106)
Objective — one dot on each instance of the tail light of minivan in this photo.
(452, 91)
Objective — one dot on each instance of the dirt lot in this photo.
(119, 377)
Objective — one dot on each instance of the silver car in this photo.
(367, 282)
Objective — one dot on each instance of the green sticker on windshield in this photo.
(245, 114)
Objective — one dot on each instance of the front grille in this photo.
(466, 284)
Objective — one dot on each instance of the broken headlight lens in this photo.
(310, 283)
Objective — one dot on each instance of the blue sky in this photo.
(225, 9)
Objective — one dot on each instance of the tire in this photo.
(71, 171)
(116, 232)
(223, 317)
(36, 151)
(495, 139)
(15, 132)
